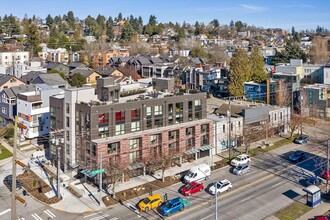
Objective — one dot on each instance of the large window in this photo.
(190, 143)
(205, 128)
(134, 156)
(134, 143)
(198, 102)
(171, 135)
(120, 117)
(149, 111)
(205, 140)
(120, 129)
(94, 150)
(190, 131)
(104, 131)
(154, 138)
(158, 121)
(135, 114)
(135, 126)
(158, 110)
(113, 148)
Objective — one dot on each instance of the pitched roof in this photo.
(51, 65)
(5, 78)
(30, 76)
(143, 61)
(13, 91)
(83, 71)
(106, 70)
(50, 79)
(155, 60)
(196, 60)
(76, 65)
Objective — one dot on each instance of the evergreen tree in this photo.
(197, 29)
(127, 33)
(238, 25)
(239, 72)
(33, 40)
(110, 32)
(77, 80)
(152, 20)
(258, 73)
(291, 50)
(49, 20)
(71, 19)
(120, 17)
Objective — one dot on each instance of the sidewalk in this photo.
(318, 210)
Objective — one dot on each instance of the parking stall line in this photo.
(49, 213)
(36, 217)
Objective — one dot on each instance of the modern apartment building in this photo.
(102, 58)
(132, 131)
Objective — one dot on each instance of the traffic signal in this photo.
(150, 191)
(165, 197)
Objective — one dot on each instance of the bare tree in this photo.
(161, 163)
(283, 96)
(114, 176)
(296, 122)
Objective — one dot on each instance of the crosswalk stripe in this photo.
(35, 216)
(100, 217)
(96, 213)
(52, 215)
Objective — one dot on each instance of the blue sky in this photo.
(280, 13)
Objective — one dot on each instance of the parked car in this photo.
(150, 202)
(313, 181)
(192, 188)
(322, 217)
(171, 206)
(222, 186)
(199, 172)
(297, 156)
(8, 180)
(241, 159)
(324, 174)
(241, 169)
(301, 139)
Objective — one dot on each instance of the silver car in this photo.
(241, 169)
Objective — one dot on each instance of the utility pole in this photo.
(216, 201)
(327, 180)
(229, 129)
(100, 183)
(13, 184)
(56, 142)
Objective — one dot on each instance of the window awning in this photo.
(21, 126)
(204, 148)
(192, 151)
(136, 166)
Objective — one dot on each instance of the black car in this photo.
(297, 156)
(8, 180)
(302, 139)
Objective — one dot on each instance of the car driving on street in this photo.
(297, 156)
(241, 159)
(171, 206)
(192, 188)
(301, 139)
(241, 169)
(150, 202)
(222, 186)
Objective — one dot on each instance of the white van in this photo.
(199, 172)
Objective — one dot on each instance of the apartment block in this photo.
(100, 59)
(8, 59)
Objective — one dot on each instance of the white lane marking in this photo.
(100, 217)
(246, 199)
(52, 215)
(207, 216)
(21, 218)
(4, 212)
(276, 184)
(37, 217)
(96, 213)
(115, 218)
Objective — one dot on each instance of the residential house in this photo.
(102, 58)
(33, 111)
(312, 73)
(54, 80)
(8, 59)
(315, 100)
(8, 81)
(74, 65)
(255, 91)
(57, 66)
(8, 102)
(326, 74)
(90, 75)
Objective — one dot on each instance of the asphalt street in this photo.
(273, 183)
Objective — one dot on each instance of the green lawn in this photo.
(4, 153)
(292, 211)
(277, 144)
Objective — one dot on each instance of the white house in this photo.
(9, 58)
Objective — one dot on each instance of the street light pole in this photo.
(13, 184)
(216, 201)
(100, 183)
(327, 179)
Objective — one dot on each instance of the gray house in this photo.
(54, 80)
(8, 101)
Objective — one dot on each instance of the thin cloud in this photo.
(301, 5)
(253, 8)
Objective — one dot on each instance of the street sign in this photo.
(94, 172)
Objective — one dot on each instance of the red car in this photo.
(322, 217)
(192, 188)
(324, 174)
